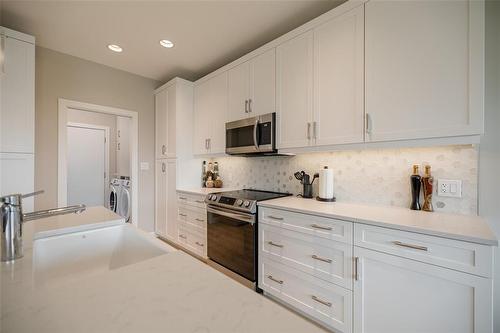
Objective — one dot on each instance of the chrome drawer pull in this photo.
(270, 277)
(182, 198)
(320, 227)
(180, 214)
(198, 243)
(411, 246)
(321, 301)
(200, 220)
(275, 218)
(199, 201)
(274, 244)
(182, 236)
(322, 259)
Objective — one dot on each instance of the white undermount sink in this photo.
(66, 257)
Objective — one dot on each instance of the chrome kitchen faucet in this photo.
(12, 217)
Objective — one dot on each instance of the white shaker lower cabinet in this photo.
(161, 195)
(353, 277)
(192, 223)
(394, 295)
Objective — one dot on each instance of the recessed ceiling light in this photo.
(166, 43)
(115, 48)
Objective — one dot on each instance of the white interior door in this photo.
(86, 161)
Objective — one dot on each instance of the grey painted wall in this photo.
(489, 152)
(62, 76)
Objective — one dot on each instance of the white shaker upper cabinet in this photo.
(262, 84)
(251, 87)
(161, 123)
(338, 79)
(217, 117)
(201, 116)
(395, 295)
(424, 69)
(294, 85)
(210, 115)
(17, 95)
(237, 92)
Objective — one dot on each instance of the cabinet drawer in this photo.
(191, 200)
(337, 230)
(463, 256)
(192, 241)
(323, 258)
(194, 218)
(326, 302)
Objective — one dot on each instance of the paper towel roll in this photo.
(326, 183)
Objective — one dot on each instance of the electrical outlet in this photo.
(144, 166)
(449, 188)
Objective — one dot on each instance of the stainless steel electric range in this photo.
(232, 229)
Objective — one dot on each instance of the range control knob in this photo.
(209, 197)
(214, 197)
(239, 202)
(246, 203)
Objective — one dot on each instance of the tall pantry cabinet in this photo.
(174, 166)
(17, 114)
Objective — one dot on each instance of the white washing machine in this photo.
(114, 188)
(124, 199)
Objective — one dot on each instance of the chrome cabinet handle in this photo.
(368, 124)
(209, 143)
(183, 215)
(206, 144)
(317, 226)
(183, 236)
(199, 244)
(163, 167)
(275, 218)
(182, 198)
(2, 50)
(246, 105)
(356, 270)
(411, 246)
(270, 277)
(274, 244)
(308, 131)
(199, 201)
(321, 301)
(200, 220)
(322, 259)
(249, 105)
(163, 149)
(314, 129)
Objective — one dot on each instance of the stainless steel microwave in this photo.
(252, 136)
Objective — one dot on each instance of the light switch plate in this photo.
(449, 188)
(144, 166)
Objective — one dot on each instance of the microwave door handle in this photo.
(255, 129)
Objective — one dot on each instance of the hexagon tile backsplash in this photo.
(378, 176)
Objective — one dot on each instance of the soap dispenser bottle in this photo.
(427, 182)
(415, 183)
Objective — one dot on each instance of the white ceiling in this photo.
(207, 34)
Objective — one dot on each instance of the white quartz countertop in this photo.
(461, 227)
(206, 190)
(171, 292)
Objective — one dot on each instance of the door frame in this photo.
(64, 106)
(106, 151)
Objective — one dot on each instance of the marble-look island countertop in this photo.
(461, 227)
(169, 292)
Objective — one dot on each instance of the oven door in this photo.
(231, 238)
(251, 135)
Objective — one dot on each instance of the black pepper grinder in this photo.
(415, 182)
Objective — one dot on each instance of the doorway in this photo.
(88, 164)
(77, 132)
